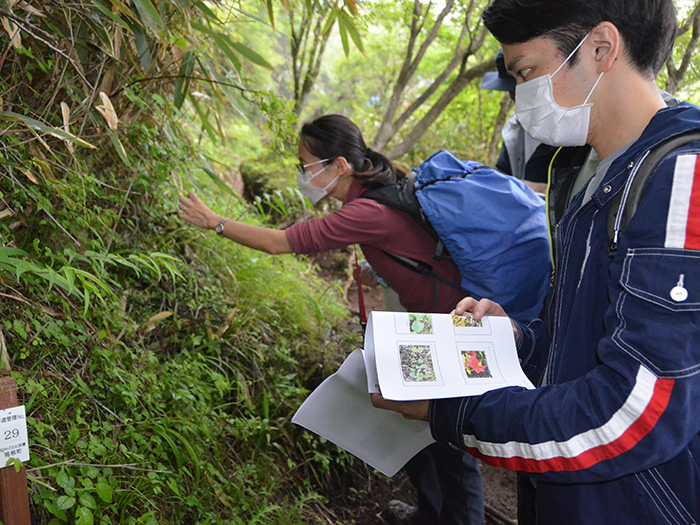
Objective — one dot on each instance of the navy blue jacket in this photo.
(612, 435)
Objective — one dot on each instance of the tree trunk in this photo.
(457, 85)
(388, 127)
(677, 74)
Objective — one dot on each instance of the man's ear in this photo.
(607, 43)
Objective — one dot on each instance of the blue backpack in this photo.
(490, 224)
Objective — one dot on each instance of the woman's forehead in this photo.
(304, 153)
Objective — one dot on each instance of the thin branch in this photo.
(170, 77)
(20, 299)
(103, 407)
(459, 58)
(121, 209)
(127, 466)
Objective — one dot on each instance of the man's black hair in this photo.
(648, 27)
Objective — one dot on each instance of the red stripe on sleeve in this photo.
(692, 233)
(633, 435)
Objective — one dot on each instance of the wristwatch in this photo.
(220, 227)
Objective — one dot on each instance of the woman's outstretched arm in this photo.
(266, 240)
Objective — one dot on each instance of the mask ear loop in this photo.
(593, 88)
(572, 53)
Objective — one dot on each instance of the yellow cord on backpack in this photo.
(546, 200)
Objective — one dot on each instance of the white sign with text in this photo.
(14, 441)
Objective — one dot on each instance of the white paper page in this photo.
(433, 356)
(341, 411)
(370, 364)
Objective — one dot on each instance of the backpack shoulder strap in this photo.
(625, 205)
(402, 196)
(422, 268)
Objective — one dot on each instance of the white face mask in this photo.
(544, 119)
(307, 189)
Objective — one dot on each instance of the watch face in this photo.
(220, 227)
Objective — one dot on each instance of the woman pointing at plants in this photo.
(335, 161)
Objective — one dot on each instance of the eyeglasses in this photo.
(302, 167)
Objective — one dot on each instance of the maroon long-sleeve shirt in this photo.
(376, 227)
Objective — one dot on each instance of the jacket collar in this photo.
(668, 122)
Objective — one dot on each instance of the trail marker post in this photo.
(14, 495)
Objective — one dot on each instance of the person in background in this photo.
(612, 434)
(335, 161)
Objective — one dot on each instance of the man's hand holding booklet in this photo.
(409, 356)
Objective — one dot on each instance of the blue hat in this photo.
(501, 80)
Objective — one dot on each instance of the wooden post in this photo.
(14, 495)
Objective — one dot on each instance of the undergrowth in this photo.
(159, 365)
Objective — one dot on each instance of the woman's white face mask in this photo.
(544, 119)
(307, 189)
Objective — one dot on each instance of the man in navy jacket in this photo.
(611, 433)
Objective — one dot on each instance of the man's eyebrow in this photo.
(513, 64)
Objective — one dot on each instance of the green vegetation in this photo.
(159, 365)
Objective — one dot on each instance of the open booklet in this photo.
(410, 356)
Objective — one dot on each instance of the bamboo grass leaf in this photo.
(151, 323)
(219, 183)
(112, 16)
(29, 175)
(31, 10)
(329, 23)
(107, 111)
(270, 12)
(343, 36)
(119, 147)
(204, 119)
(120, 6)
(10, 27)
(204, 9)
(182, 84)
(225, 46)
(352, 31)
(141, 43)
(34, 124)
(149, 14)
(251, 55)
(352, 6)
(8, 250)
(65, 113)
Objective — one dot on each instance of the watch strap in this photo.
(220, 227)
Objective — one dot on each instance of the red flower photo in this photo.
(475, 364)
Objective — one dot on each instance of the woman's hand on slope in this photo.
(195, 211)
